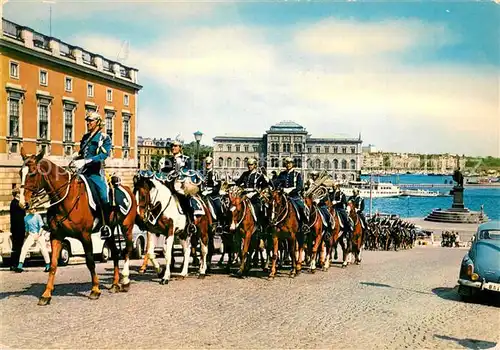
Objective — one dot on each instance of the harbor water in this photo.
(406, 207)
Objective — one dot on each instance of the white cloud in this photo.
(235, 80)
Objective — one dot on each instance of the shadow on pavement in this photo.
(381, 285)
(64, 289)
(447, 293)
(484, 298)
(469, 343)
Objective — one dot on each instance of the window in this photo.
(318, 149)
(68, 84)
(221, 162)
(335, 164)
(237, 148)
(220, 147)
(353, 149)
(327, 149)
(344, 149)
(68, 122)
(255, 148)
(335, 149)
(353, 164)
(297, 148)
(14, 115)
(43, 119)
(309, 149)
(298, 162)
(44, 77)
(229, 148)
(126, 135)
(317, 164)
(344, 164)
(237, 163)
(274, 163)
(109, 95)
(246, 148)
(327, 164)
(286, 147)
(229, 162)
(246, 160)
(109, 123)
(14, 70)
(125, 100)
(90, 90)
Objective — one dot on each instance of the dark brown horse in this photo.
(285, 224)
(336, 238)
(357, 235)
(70, 215)
(243, 224)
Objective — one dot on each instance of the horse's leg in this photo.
(167, 250)
(95, 293)
(345, 253)
(115, 254)
(315, 248)
(204, 249)
(244, 252)
(186, 249)
(275, 257)
(144, 266)
(293, 251)
(49, 288)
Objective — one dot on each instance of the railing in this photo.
(41, 41)
(11, 29)
(87, 57)
(65, 50)
(125, 73)
(106, 65)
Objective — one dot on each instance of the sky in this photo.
(409, 76)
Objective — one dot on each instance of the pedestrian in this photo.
(33, 225)
(16, 228)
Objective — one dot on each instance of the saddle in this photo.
(117, 195)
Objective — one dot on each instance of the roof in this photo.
(287, 126)
(490, 225)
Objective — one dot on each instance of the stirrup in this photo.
(105, 232)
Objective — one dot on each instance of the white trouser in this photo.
(40, 242)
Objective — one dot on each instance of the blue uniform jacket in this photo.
(291, 179)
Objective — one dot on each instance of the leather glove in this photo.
(316, 201)
(204, 193)
(75, 155)
(288, 190)
(250, 194)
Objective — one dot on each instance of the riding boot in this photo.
(105, 229)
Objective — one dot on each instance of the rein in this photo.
(285, 210)
(37, 194)
(245, 199)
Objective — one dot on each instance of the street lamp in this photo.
(197, 137)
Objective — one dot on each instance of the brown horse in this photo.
(357, 235)
(315, 232)
(336, 238)
(243, 223)
(285, 224)
(69, 215)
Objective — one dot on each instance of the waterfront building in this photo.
(49, 86)
(340, 156)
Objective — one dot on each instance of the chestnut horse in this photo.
(315, 232)
(285, 224)
(243, 223)
(69, 215)
(337, 237)
(357, 235)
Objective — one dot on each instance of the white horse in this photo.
(160, 212)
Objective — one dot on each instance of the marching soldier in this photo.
(291, 182)
(339, 202)
(252, 181)
(359, 203)
(95, 147)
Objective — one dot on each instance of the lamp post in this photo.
(197, 137)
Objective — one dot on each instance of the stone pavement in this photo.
(404, 299)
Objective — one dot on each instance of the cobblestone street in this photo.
(392, 300)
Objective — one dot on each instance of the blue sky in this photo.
(411, 77)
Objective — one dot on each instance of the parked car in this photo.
(480, 269)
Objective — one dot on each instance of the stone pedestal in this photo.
(458, 198)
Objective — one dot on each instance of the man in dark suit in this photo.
(17, 214)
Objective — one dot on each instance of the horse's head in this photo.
(32, 176)
(278, 202)
(308, 201)
(142, 191)
(235, 205)
(351, 209)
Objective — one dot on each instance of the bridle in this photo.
(283, 213)
(244, 200)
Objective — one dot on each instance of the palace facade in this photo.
(47, 87)
(341, 157)
(149, 150)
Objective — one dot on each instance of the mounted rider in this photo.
(252, 182)
(177, 167)
(211, 191)
(95, 147)
(339, 203)
(321, 201)
(290, 180)
(359, 203)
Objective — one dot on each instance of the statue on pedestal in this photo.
(458, 177)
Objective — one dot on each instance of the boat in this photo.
(378, 189)
(419, 193)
